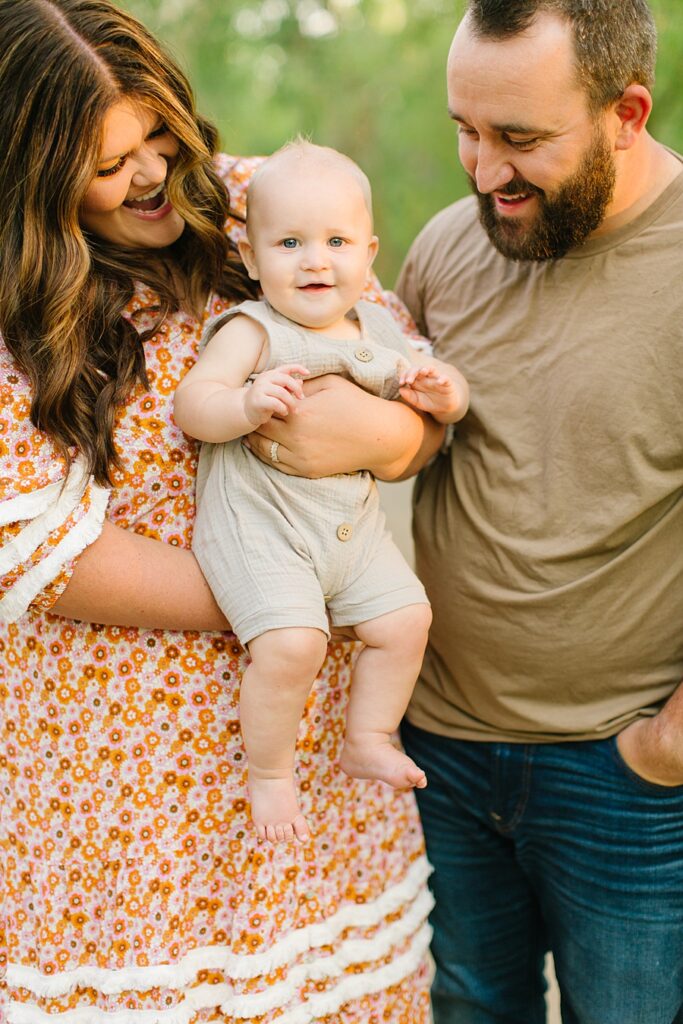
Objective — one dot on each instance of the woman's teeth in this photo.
(148, 197)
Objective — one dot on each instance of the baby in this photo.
(281, 553)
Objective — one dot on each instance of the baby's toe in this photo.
(301, 829)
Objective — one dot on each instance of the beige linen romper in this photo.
(277, 549)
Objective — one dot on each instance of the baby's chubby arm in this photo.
(213, 403)
(433, 386)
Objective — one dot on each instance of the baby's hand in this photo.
(426, 389)
(274, 393)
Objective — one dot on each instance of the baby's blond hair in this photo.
(300, 149)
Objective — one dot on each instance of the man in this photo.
(550, 536)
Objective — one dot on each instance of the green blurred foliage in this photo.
(365, 76)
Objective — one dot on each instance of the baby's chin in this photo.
(340, 326)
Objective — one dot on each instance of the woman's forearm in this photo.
(124, 579)
(431, 439)
(339, 428)
(404, 442)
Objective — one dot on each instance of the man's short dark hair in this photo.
(615, 40)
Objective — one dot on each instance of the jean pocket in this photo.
(633, 776)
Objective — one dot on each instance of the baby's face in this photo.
(311, 245)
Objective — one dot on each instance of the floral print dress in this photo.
(132, 887)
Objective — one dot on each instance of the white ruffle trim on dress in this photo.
(44, 511)
(245, 1007)
(410, 892)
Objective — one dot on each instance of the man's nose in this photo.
(493, 170)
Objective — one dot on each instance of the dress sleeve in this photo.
(236, 172)
(47, 516)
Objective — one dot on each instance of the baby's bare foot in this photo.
(275, 810)
(378, 758)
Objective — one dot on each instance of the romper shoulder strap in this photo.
(378, 323)
(256, 310)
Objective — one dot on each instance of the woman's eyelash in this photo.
(161, 130)
(112, 170)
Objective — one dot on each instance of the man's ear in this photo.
(632, 110)
(248, 258)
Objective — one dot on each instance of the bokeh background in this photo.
(365, 76)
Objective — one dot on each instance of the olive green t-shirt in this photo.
(550, 535)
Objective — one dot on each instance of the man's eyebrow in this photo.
(519, 129)
(511, 128)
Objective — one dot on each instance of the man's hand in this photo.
(653, 747)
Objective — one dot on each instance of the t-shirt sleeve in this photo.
(48, 515)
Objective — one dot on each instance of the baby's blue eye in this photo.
(336, 242)
(289, 243)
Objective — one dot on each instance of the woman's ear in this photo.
(248, 258)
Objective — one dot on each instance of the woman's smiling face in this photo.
(126, 202)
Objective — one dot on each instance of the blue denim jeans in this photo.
(551, 846)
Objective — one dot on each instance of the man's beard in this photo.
(565, 219)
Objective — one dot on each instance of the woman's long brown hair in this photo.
(63, 63)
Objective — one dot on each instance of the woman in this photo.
(130, 881)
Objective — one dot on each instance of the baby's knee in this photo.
(290, 652)
(302, 647)
(415, 631)
(421, 616)
(406, 628)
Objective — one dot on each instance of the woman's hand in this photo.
(340, 428)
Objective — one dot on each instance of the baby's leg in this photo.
(383, 681)
(274, 690)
